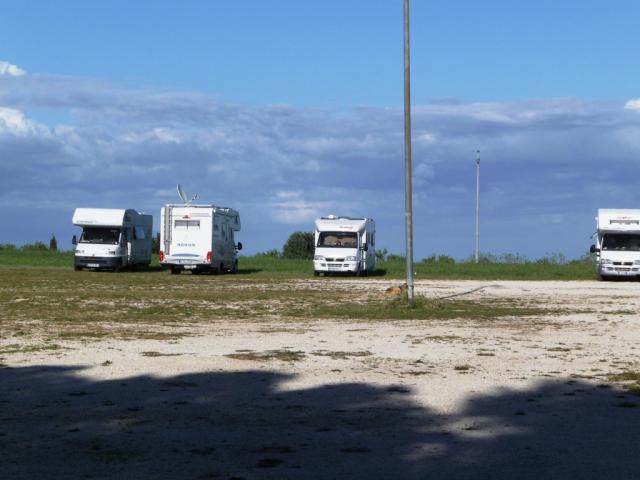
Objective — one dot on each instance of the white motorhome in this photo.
(617, 245)
(199, 238)
(344, 245)
(112, 239)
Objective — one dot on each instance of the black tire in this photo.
(175, 271)
(77, 268)
(235, 267)
(221, 269)
(316, 273)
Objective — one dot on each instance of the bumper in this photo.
(185, 264)
(619, 271)
(97, 262)
(337, 267)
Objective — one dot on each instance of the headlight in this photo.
(318, 257)
(349, 259)
(79, 251)
(111, 252)
(636, 262)
(605, 261)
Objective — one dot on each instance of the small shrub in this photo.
(37, 247)
(155, 244)
(300, 245)
(269, 254)
(53, 243)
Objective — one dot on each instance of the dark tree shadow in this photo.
(57, 423)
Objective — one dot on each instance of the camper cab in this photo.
(344, 245)
(199, 238)
(617, 246)
(112, 238)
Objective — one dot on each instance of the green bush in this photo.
(300, 245)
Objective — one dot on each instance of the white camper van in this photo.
(199, 238)
(112, 238)
(344, 245)
(617, 245)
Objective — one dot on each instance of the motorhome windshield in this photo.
(100, 235)
(621, 241)
(338, 239)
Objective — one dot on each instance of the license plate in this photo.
(334, 267)
(189, 267)
(93, 265)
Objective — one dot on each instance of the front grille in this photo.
(623, 263)
(96, 260)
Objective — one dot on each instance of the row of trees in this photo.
(301, 245)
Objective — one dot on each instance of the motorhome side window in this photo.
(188, 224)
(338, 239)
(100, 235)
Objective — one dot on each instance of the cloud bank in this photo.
(546, 164)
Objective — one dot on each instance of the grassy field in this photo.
(53, 304)
(264, 266)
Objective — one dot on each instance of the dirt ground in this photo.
(532, 397)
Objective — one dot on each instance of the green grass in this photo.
(51, 303)
(506, 267)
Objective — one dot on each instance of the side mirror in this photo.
(365, 247)
(239, 246)
(74, 240)
(593, 249)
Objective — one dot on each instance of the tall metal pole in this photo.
(408, 189)
(477, 205)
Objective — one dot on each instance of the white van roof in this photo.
(102, 217)
(341, 224)
(618, 219)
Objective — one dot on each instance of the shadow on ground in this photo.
(57, 423)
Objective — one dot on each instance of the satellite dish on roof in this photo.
(183, 196)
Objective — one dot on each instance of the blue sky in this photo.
(288, 110)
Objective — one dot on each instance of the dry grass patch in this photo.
(630, 380)
(282, 355)
(341, 355)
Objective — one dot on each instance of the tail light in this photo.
(161, 256)
(209, 257)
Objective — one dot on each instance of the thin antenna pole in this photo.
(477, 205)
(408, 189)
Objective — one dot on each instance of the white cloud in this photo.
(290, 207)
(14, 122)
(7, 68)
(633, 104)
